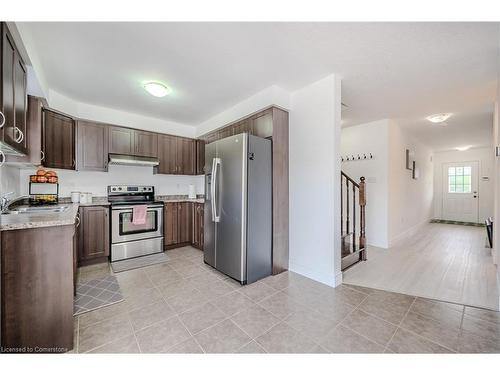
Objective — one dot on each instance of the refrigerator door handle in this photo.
(212, 190)
(216, 163)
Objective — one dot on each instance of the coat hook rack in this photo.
(359, 157)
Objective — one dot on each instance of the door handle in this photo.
(218, 165)
(212, 189)
(20, 136)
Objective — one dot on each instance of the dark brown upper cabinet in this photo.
(33, 133)
(145, 143)
(92, 146)
(13, 98)
(261, 125)
(186, 156)
(121, 140)
(177, 155)
(94, 233)
(58, 139)
(167, 154)
(200, 157)
(127, 141)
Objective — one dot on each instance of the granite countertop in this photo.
(39, 220)
(68, 217)
(194, 200)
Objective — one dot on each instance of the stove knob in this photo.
(120, 188)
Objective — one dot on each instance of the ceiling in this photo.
(404, 71)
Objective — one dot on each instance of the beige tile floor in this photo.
(184, 306)
(441, 261)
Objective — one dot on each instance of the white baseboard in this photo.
(407, 233)
(324, 278)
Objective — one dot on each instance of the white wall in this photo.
(410, 201)
(314, 181)
(97, 182)
(116, 117)
(372, 137)
(485, 157)
(396, 204)
(273, 95)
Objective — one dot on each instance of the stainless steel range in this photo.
(129, 240)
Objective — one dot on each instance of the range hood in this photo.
(138, 161)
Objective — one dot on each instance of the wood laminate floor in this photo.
(441, 261)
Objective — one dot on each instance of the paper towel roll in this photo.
(191, 194)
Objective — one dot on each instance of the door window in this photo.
(459, 179)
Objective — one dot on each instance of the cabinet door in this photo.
(20, 104)
(146, 144)
(200, 157)
(262, 124)
(197, 225)
(92, 142)
(94, 232)
(7, 105)
(171, 228)
(34, 134)
(121, 140)
(167, 154)
(186, 156)
(201, 230)
(58, 141)
(185, 221)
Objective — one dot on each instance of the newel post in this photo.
(362, 204)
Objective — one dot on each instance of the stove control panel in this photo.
(130, 189)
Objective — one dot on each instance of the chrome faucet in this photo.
(4, 201)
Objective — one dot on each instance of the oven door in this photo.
(123, 230)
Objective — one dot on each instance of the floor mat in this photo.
(130, 264)
(97, 293)
(439, 221)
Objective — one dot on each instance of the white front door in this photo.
(460, 198)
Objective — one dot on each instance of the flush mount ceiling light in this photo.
(157, 89)
(439, 118)
(463, 148)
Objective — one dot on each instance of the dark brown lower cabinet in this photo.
(178, 224)
(37, 289)
(93, 246)
(197, 239)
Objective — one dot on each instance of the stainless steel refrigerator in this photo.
(238, 207)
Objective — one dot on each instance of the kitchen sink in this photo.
(36, 210)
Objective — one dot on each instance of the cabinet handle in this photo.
(3, 158)
(2, 121)
(74, 162)
(42, 158)
(20, 136)
(77, 220)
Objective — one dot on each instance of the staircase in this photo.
(352, 222)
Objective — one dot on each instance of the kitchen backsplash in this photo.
(97, 182)
(9, 180)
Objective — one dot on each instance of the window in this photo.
(459, 179)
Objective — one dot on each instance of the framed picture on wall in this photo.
(415, 171)
(409, 157)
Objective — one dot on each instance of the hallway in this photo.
(441, 261)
